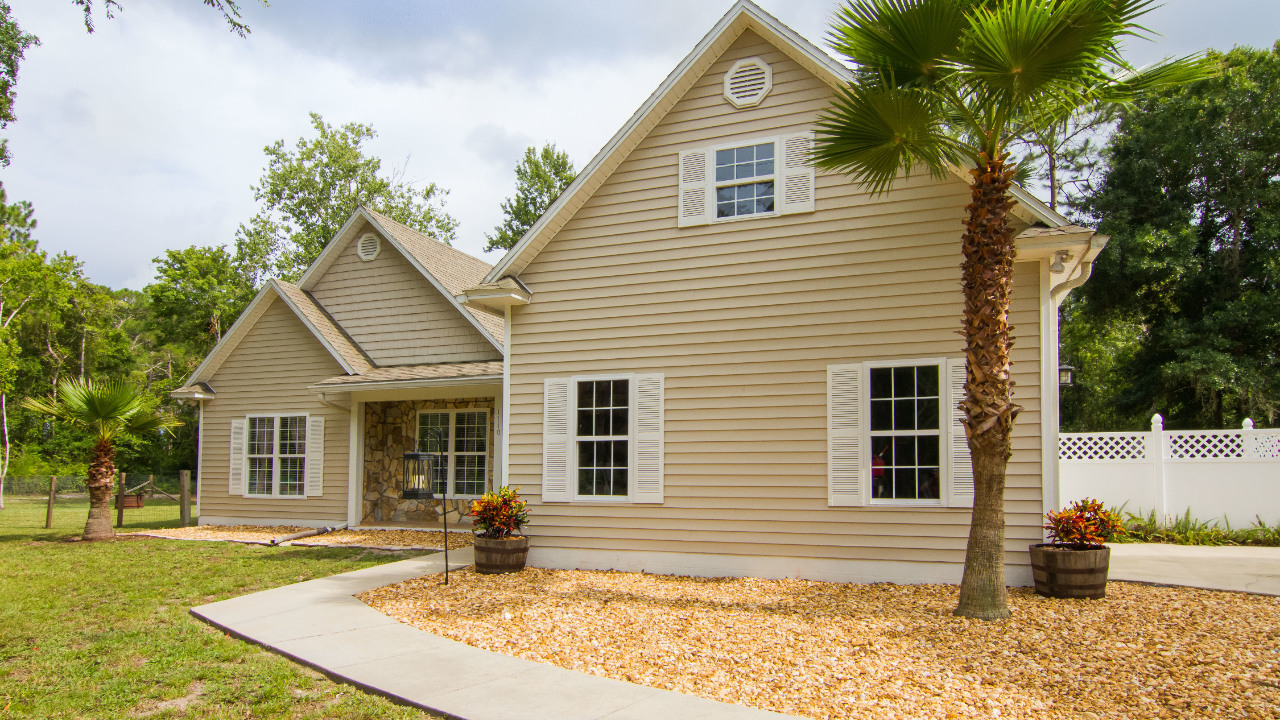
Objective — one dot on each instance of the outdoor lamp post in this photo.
(418, 480)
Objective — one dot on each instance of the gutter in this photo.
(1085, 267)
(324, 400)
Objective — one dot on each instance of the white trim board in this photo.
(269, 522)
(768, 567)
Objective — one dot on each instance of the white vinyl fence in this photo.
(1231, 474)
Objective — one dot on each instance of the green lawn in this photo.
(101, 630)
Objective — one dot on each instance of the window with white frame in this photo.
(277, 455)
(749, 178)
(744, 180)
(460, 438)
(603, 437)
(895, 434)
(905, 433)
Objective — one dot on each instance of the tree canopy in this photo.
(541, 175)
(1190, 196)
(308, 191)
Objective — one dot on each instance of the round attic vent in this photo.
(747, 82)
(368, 247)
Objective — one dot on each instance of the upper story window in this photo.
(750, 178)
(754, 163)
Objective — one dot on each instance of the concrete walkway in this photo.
(319, 623)
(1246, 569)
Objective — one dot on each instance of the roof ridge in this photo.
(384, 218)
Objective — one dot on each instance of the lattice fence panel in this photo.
(1266, 445)
(1095, 446)
(1206, 446)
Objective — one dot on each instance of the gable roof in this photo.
(744, 15)
(450, 271)
(339, 345)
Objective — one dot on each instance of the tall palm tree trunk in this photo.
(988, 406)
(101, 473)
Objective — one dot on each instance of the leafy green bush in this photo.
(1186, 530)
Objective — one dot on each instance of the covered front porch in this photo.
(452, 413)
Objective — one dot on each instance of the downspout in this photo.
(323, 399)
(1085, 266)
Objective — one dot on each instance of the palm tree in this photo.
(109, 411)
(940, 83)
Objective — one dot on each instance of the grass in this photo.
(101, 630)
(1186, 530)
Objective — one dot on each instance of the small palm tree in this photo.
(108, 411)
(941, 83)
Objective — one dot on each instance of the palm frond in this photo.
(876, 133)
(1169, 73)
(902, 40)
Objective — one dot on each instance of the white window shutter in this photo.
(235, 471)
(649, 392)
(697, 190)
(797, 174)
(961, 485)
(846, 480)
(313, 485)
(555, 440)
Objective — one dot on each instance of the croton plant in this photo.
(499, 514)
(1085, 525)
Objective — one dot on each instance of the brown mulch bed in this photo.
(829, 650)
(263, 534)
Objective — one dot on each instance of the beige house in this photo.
(311, 400)
(705, 358)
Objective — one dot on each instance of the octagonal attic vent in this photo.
(368, 246)
(747, 82)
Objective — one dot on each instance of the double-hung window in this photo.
(277, 456)
(894, 434)
(744, 180)
(460, 439)
(747, 178)
(602, 438)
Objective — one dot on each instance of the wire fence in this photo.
(39, 484)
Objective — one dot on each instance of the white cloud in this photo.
(148, 134)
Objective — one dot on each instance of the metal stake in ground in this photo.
(53, 492)
(419, 482)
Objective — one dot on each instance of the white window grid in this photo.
(466, 438)
(943, 420)
(621, 444)
(749, 172)
(276, 456)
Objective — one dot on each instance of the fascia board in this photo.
(315, 331)
(335, 246)
(440, 288)
(232, 337)
(406, 384)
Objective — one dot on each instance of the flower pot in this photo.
(1065, 572)
(506, 555)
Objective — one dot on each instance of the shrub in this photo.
(1086, 525)
(500, 514)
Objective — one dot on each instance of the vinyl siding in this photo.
(268, 373)
(743, 318)
(395, 314)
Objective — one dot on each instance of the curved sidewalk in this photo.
(319, 623)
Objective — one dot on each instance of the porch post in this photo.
(355, 460)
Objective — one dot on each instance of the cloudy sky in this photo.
(147, 134)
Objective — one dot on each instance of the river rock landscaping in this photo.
(830, 650)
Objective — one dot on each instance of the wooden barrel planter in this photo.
(131, 502)
(506, 555)
(1064, 572)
